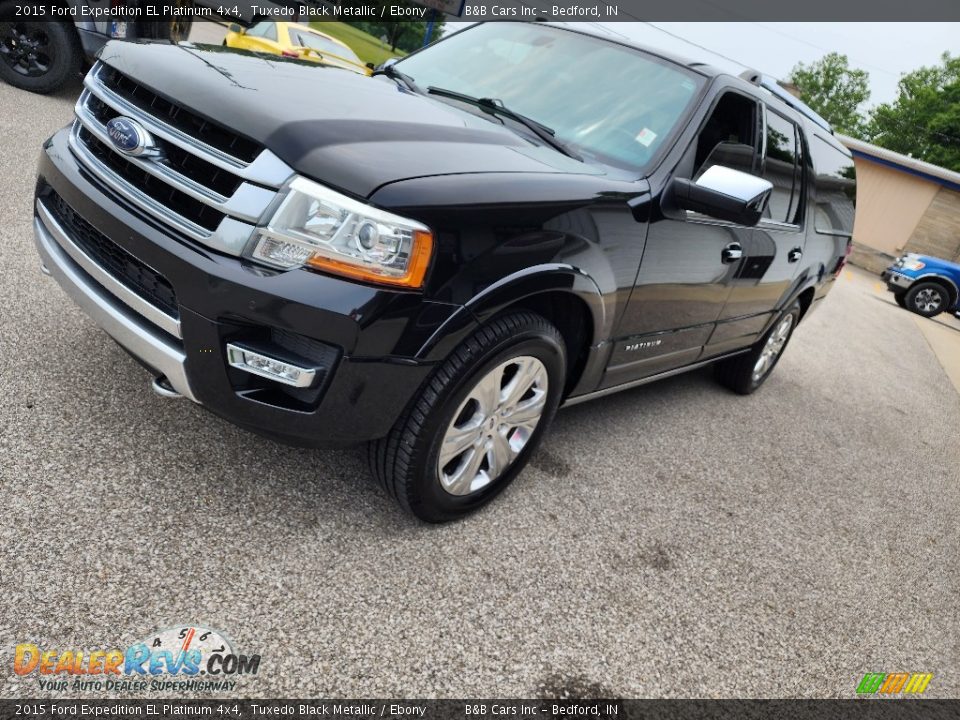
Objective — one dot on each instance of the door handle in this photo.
(731, 253)
(794, 255)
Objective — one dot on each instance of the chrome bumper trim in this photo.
(115, 318)
(127, 296)
(899, 280)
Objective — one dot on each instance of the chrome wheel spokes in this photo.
(772, 348)
(928, 300)
(492, 425)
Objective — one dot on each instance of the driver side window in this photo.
(730, 136)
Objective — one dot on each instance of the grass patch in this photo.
(366, 46)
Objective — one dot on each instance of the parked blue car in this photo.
(925, 285)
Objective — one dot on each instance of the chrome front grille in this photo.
(206, 182)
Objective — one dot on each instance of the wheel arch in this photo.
(566, 296)
(949, 285)
(805, 298)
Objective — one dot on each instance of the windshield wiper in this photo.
(408, 82)
(496, 107)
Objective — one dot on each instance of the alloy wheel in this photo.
(773, 347)
(492, 425)
(928, 300)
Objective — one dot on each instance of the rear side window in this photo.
(836, 188)
(782, 167)
(323, 45)
(264, 29)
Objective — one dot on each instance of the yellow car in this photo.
(295, 41)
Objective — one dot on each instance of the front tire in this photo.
(37, 56)
(927, 299)
(745, 373)
(474, 426)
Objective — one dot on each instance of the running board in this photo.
(652, 378)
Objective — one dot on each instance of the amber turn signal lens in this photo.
(413, 278)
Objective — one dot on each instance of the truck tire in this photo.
(927, 298)
(37, 56)
(900, 299)
(473, 427)
(745, 373)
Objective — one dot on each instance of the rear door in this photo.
(774, 250)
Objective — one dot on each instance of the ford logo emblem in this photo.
(130, 137)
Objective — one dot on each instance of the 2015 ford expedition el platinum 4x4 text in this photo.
(434, 259)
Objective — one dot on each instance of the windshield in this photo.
(610, 102)
(324, 45)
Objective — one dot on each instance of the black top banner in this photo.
(607, 11)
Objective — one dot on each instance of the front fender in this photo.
(509, 290)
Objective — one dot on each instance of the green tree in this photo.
(924, 120)
(834, 90)
(404, 34)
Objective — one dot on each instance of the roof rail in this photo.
(773, 87)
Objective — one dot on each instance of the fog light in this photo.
(273, 368)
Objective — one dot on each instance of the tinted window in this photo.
(782, 168)
(263, 29)
(836, 188)
(610, 102)
(729, 137)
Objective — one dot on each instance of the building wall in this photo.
(938, 232)
(890, 205)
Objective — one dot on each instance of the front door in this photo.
(690, 262)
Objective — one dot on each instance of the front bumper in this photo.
(896, 281)
(368, 339)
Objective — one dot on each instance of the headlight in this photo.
(909, 263)
(317, 227)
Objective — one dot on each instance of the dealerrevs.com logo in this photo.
(188, 657)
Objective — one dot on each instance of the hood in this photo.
(934, 262)
(342, 129)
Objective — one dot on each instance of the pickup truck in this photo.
(923, 284)
(434, 259)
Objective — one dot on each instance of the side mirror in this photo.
(725, 194)
(371, 66)
(387, 63)
(234, 27)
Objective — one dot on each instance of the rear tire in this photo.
(473, 427)
(927, 299)
(37, 56)
(745, 373)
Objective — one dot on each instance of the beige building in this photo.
(903, 205)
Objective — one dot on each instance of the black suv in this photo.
(436, 258)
